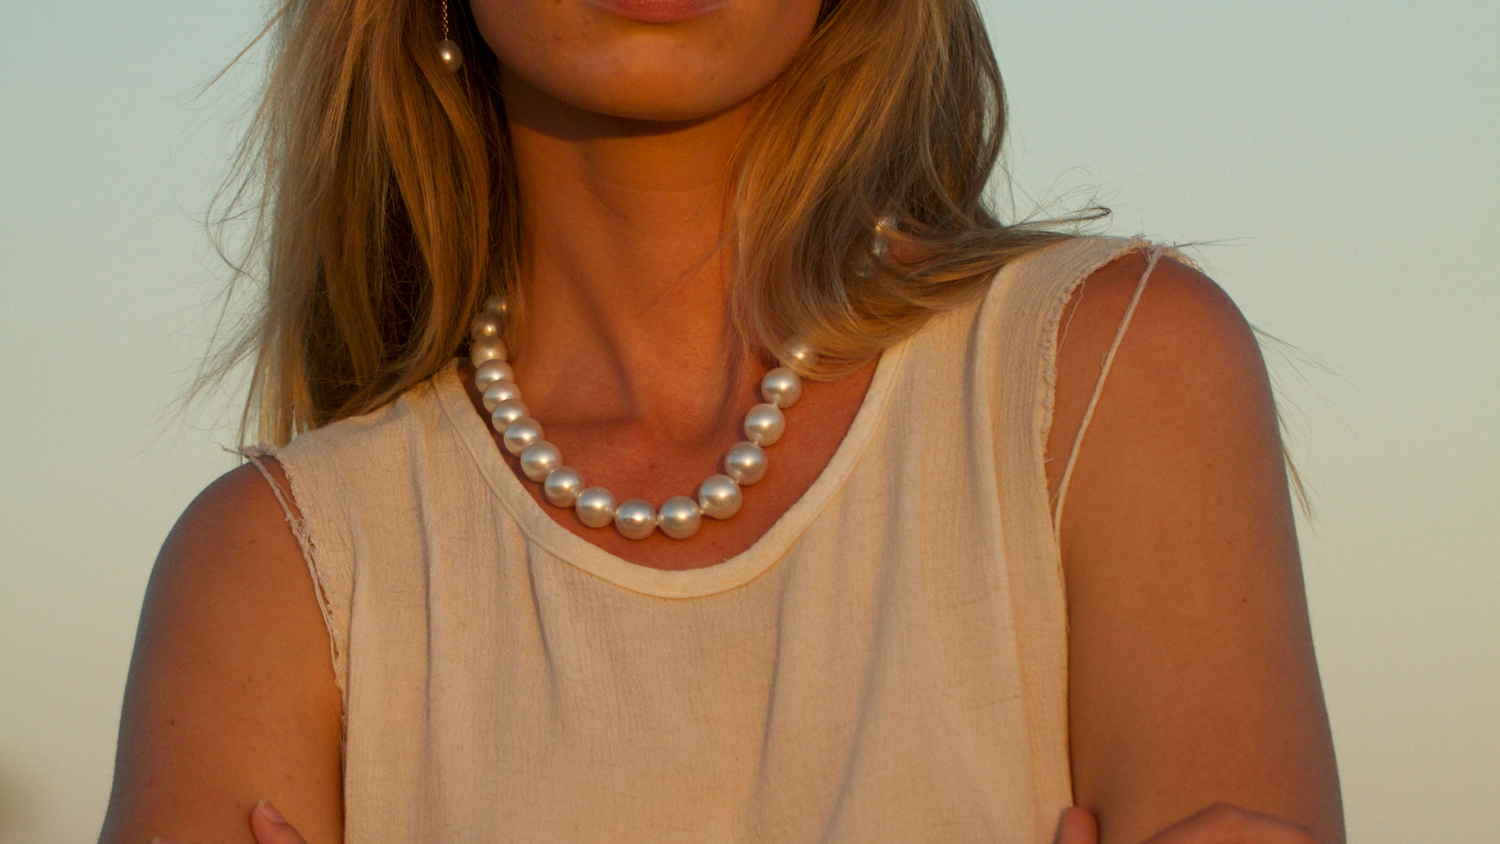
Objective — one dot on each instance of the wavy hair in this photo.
(851, 233)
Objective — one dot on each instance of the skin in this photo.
(1192, 676)
(1193, 686)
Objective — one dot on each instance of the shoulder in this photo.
(232, 568)
(231, 696)
(1186, 354)
(1176, 298)
(1049, 318)
(234, 537)
(1183, 323)
(1191, 672)
(238, 509)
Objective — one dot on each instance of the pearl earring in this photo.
(878, 250)
(448, 52)
(880, 246)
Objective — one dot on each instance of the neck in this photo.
(624, 277)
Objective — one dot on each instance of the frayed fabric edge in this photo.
(256, 454)
(1052, 341)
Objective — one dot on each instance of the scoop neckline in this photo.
(736, 571)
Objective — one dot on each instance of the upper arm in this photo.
(231, 696)
(1191, 668)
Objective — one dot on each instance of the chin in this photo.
(653, 95)
(589, 54)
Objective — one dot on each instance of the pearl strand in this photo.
(719, 496)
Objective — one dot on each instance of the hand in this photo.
(1078, 827)
(270, 827)
(1221, 824)
(267, 825)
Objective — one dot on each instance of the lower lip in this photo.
(658, 11)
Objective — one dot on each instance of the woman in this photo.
(658, 218)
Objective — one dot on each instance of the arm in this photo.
(231, 696)
(1192, 676)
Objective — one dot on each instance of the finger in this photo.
(270, 827)
(1230, 825)
(1078, 827)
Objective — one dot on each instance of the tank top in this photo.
(888, 663)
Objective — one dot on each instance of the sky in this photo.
(1337, 165)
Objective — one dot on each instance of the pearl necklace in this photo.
(679, 517)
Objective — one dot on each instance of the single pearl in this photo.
(680, 517)
(635, 519)
(500, 391)
(745, 463)
(497, 303)
(719, 497)
(797, 349)
(451, 57)
(563, 485)
(507, 413)
(539, 459)
(486, 324)
(764, 424)
(781, 387)
(522, 433)
(491, 371)
(595, 507)
(486, 348)
(880, 246)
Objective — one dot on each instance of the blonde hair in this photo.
(364, 146)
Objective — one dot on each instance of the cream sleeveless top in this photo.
(888, 663)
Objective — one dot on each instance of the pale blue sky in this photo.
(1343, 158)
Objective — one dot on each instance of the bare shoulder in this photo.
(1192, 679)
(231, 696)
(237, 512)
(1187, 342)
